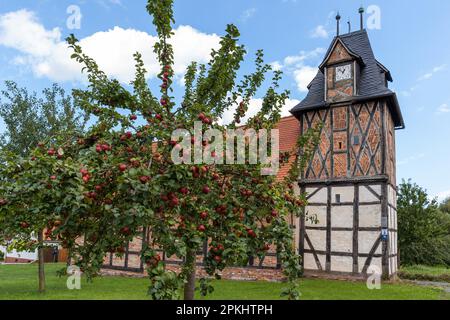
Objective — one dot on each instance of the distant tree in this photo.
(445, 206)
(423, 228)
(30, 119)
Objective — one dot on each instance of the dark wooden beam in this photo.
(355, 229)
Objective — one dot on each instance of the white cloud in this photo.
(276, 66)
(107, 3)
(410, 159)
(430, 74)
(299, 59)
(444, 195)
(304, 76)
(319, 32)
(247, 14)
(443, 108)
(254, 107)
(46, 54)
(296, 65)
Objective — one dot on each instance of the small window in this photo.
(338, 198)
(340, 145)
(356, 140)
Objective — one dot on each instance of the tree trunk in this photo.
(41, 262)
(190, 266)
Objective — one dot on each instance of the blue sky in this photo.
(412, 40)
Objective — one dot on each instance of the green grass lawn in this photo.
(419, 272)
(19, 282)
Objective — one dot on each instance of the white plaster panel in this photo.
(390, 218)
(394, 242)
(366, 240)
(392, 196)
(370, 216)
(393, 263)
(318, 239)
(347, 194)
(310, 262)
(341, 264)
(320, 197)
(318, 211)
(342, 216)
(365, 195)
(390, 266)
(375, 262)
(391, 243)
(342, 241)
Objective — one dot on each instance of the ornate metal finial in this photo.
(361, 16)
(338, 18)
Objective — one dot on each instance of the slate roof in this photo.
(371, 83)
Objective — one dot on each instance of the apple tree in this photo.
(121, 175)
(35, 194)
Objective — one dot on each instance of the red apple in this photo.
(144, 179)
(122, 167)
(133, 117)
(184, 190)
(274, 213)
(174, 202)
(204, 215)
(125, 231)
(201, 228)
(24, 225)
(218, 259)
(251, 233)
(206, 190)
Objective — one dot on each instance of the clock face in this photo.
(344, 72)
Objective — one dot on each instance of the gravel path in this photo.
(443, 285)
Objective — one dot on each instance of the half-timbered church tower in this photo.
(351, 179)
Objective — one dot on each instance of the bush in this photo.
(424, 230)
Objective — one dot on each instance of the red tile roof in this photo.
(289, 128)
